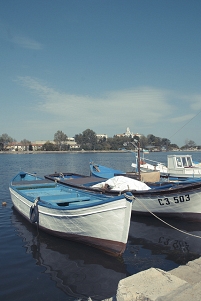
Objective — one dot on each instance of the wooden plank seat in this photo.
(63, 199)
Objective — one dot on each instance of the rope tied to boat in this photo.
(34, 213)
(131, 197)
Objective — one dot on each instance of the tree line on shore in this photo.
(88, 140)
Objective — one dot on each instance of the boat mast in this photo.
(138, 162)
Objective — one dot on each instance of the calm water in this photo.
(37, 266)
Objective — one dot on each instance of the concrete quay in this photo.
(180, 284)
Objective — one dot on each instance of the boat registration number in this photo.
(176, 200)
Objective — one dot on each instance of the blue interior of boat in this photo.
(22, 176)
(54, 195)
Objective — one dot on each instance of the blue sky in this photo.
(103, 65)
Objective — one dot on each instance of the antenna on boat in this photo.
(136, 144)
(137, 141)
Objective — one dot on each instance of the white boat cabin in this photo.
(179, 161)
(183, 165)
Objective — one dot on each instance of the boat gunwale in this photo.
(77, 204)
(174, 188)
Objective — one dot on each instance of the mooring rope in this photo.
(133, 198)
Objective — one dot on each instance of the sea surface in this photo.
(35, 266)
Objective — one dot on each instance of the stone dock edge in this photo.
(180, 284)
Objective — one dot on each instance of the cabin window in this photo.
(185, 163)
(189, 160)
(179, 162)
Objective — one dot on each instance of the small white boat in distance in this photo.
(178, 166)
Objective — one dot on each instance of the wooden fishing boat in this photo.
(104, 172)
(99, 220)
(180, 199)
(101, 171)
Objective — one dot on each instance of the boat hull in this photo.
(183, 203)
(186, 173)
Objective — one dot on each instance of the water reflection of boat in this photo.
(81, 271)
(78, 270)
(179, 243)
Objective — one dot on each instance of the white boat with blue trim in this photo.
(179, 199)
(99, 220)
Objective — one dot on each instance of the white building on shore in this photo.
(128, 133)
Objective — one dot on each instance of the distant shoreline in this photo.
(61, 152)
(82, 152)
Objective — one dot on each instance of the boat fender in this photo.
(34, 213)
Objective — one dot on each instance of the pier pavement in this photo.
(180, 284)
